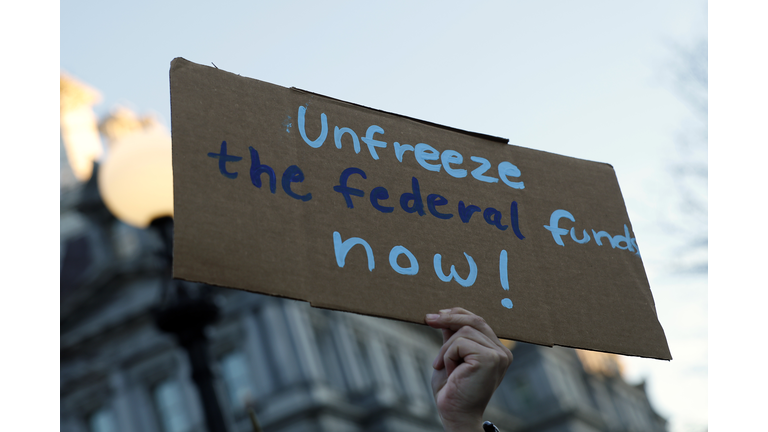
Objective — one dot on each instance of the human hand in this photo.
(468, 368)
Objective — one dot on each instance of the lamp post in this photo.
(136, 184)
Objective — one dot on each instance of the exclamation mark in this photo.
(507, 303)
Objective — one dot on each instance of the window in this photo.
(77, 260)
(572, 385)
(169, 403)
(523, 391)
(326, 345)
(397, 372)
(234, 369)
(126, 240)
(366, 367)
(425, 373)
(102, 421)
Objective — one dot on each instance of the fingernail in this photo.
(432, 317)
(445, 310)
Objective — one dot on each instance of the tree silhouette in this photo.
(689, 170)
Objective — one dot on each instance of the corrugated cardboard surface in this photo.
(229, 232)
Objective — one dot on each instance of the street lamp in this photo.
(136, 184)
(136, 180)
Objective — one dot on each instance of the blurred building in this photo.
(80, 141)
(298, 368)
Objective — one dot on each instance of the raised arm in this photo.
(468, 369)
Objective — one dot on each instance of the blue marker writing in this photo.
(223, 158)
(453, 274)
(503, 276)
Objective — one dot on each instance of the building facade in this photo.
(293, 367)
(296, 367)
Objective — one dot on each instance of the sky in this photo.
(591, 79)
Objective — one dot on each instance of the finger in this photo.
(439, 379)
(466, 333)
(455, 318)
(449, 319)
(457, 310)
(438, 363)
(438, 321)
(462, 350)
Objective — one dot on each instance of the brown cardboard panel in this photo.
(409, 206)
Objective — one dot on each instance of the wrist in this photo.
(463, 425)
(472, 428)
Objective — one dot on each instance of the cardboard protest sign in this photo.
(289, 193)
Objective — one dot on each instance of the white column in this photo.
(348, 355)
(279, 345)
(383, 375)
(193, 405)
(256, 351)
(304, 340)
(412, 379)
(125, 413)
